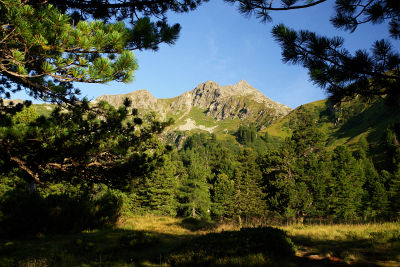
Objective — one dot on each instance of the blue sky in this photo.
(218, 43)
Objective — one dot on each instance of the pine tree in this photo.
(85, 145)
(48, 45)
(330, 65)
(127, 10)
(334, 69)
(43, 52)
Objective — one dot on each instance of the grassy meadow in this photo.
(166, 241)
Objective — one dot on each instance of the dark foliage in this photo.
(24, 214)
(246, 135)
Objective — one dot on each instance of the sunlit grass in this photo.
(158, 224)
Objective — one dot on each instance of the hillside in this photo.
(343, 124)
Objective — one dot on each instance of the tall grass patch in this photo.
(351, 243)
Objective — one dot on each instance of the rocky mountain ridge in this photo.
(240, 102)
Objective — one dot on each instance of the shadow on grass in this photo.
(108, 247)
(194, 224)
(353, 250)
(264, 246)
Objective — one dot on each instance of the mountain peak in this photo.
(242, 83)
(242, 88)
(141, 93)
(208, 85)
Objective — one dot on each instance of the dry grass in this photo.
(345, 232)
(151, 223)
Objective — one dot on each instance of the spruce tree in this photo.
(322, 185)
(380, 200)
(395, 192)
(246, 135)
(157, 192)
(292, 173)
(249, 200)
(194, 194)
(223, 204)
(348, 186)
(375, 198)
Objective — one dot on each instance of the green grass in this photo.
(165, 241)
(318, 111)
(198, 115)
